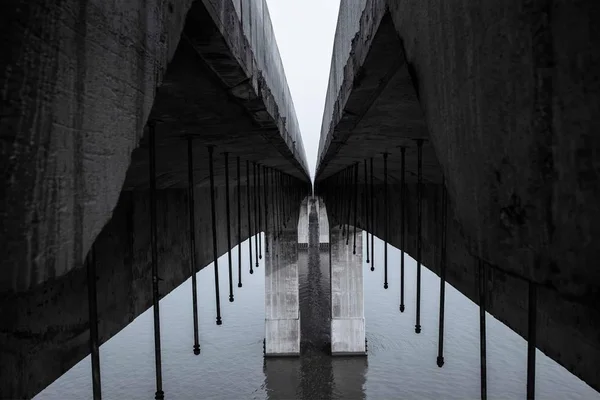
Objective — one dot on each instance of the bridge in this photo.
(143, 140)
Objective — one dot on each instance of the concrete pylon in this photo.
(347, 299)
(303, 224)
(282, 304)
(323, 225)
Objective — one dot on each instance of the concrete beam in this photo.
(95, 73)
(504, 122)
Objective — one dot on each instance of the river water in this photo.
(400, 363)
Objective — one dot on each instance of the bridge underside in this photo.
(505, 102)
(205, 72)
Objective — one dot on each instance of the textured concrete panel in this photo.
(348, 336)
(282, 303)
(303, 225)
(347, 295)
(323, 223)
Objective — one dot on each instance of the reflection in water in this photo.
(315, 375)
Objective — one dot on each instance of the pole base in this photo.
(372, 268)
(159, 395)
(417, 328)
(401, 307)
(219, 321)
(231, 299)
(440, 361)
(197, 349)
(385, 285)
(239, 285)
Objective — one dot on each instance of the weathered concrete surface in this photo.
(347, 295)
(282, 303)
(323, 223)
(78, 82)
(506, 95)
(303, 225)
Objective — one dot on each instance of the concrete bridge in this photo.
(142, 140)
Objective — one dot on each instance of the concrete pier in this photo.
(347, 299)
(303, 225)
(282, 303)
(323, 224)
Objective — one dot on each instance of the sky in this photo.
(304, 30)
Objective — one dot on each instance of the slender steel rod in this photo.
(440, 357)
(355, 205)
(192, 216)
(373, 223)
(213, 209)
(93, 320)
(402, 223)
(266, 196)
(259, 215)
(385, 221)
(239, 225)
(343, 199)
(482, 333)
(349, 202)
(275, 205)
(228, 212)
(159, 395)
(256, 217)
(249, 212)
(531, 340)
(366, 209)
(419, 221)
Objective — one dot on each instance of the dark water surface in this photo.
(400, 364)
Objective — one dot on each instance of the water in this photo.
(400, 364)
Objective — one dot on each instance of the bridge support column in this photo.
(282, 313)
(347, 300)
(323, 225)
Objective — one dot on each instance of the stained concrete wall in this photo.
(45, 331)
(347, 296)
(78, 82)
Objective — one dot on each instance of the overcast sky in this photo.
(304, 30)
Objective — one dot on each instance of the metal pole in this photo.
(214, 233)
(402, 223)
(159, 395)
(355, 204)
(256, 232)
(259, 217)
(266, 194)
(248, 205)
(366, 209)
(419, 221)
(93, 319)
(440, 357)
(531, 341)
(482, 341)
(385, 222)
(239, 225)
(192, 216)
(228, 211)
(348, 183)
(373, 223)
